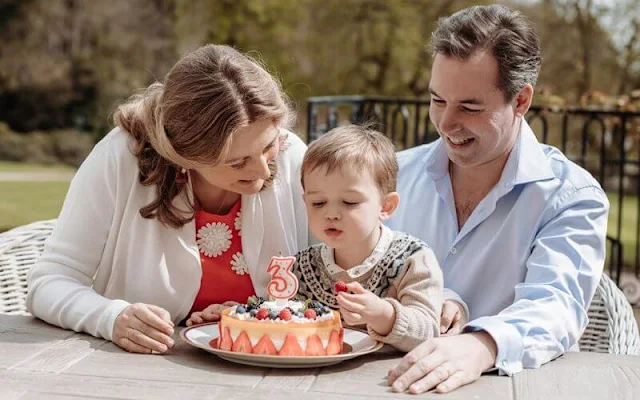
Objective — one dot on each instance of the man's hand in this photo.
(363, 307)
(452, 319)
(143, 328)
(444, 363)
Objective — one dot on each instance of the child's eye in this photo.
(318, 204)
(351, 203)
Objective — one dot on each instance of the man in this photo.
(519, 229)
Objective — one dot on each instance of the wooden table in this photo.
(39, 361)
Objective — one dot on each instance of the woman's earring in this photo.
(181, 176)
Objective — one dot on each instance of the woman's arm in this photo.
(60, 283)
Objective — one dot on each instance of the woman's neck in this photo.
(212, 199)
(351, 256)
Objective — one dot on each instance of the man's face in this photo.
(471, 114)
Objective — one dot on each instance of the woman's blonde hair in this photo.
(357, 147)
(188, 121)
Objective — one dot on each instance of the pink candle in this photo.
(283, 284)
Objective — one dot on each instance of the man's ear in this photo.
(523, 100)
(389, 205)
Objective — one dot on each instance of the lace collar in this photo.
(328, 259)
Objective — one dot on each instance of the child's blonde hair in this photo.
(354, 146)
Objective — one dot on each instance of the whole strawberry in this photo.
(310, 313)
(263, 313)
(340, 287)
(285, 314)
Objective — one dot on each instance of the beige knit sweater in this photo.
(406, 273)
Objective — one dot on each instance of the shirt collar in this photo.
(376, 255)
(527, 161)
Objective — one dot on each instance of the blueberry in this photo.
(326, 310)
(253, 312)
(273, 315)
(298, 314)
(241, 309)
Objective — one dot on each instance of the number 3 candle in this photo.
(283, 284)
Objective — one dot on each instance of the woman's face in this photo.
(246, 167)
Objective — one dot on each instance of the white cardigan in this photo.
(103, 256)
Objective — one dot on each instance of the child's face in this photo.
(345, 207)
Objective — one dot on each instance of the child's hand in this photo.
(363, 307)
(209, 314)
(452, 319)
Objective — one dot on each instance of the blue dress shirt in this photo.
(529, 258)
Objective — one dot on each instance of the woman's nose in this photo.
(262, 170)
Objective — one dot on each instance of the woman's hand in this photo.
(143, 328)
(452, 319)
(209, 314)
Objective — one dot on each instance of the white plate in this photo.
(356, 343)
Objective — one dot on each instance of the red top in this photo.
(225, 276)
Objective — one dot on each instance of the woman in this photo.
(180, 206)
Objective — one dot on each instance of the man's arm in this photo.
(549, 312)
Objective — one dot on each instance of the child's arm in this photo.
(416, 297)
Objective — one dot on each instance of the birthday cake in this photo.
(290, 329)
(281, 327)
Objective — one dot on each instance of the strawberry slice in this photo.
(242, 344)
(225, 339)
(335, 343)
(291, 347)
(265, 346)
(314, 346)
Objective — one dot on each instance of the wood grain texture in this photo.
(581, 376)
(39, 361)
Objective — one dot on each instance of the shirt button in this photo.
(454, 250)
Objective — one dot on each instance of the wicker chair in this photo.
(612, 327)
(19, 249)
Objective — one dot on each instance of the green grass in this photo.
(25, 202)
(10, 166)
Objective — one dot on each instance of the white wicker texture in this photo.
(19, 250)
(612, 326)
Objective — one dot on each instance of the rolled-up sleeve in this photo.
(549, 312)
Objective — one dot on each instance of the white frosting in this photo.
(273, 306)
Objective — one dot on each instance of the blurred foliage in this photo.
(65, 64)
(64, 146)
